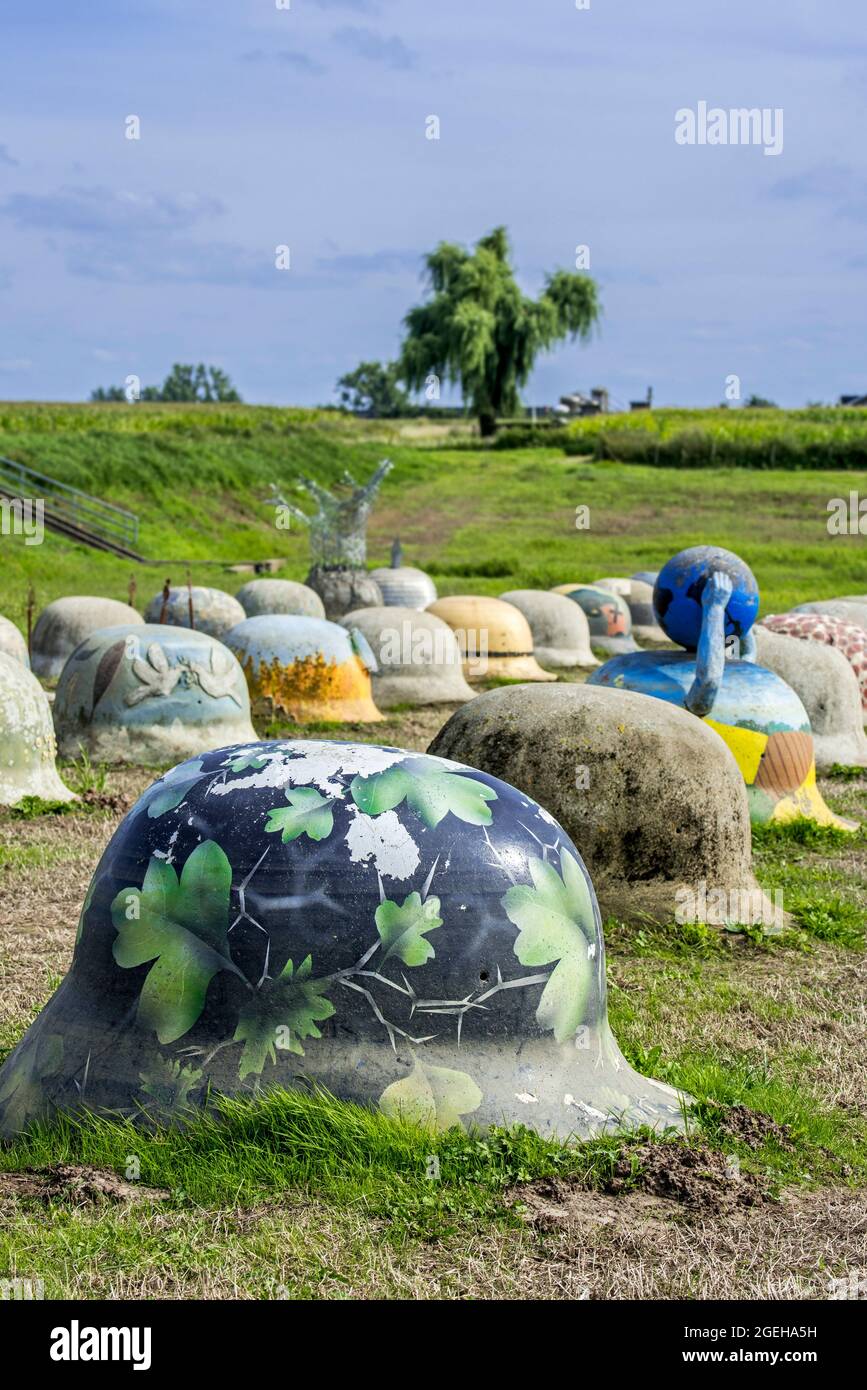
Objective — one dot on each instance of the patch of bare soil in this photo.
(72, 1182)
(594, 1245)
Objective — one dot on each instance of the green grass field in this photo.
(479, 520)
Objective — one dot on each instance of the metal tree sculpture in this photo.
(338, 529)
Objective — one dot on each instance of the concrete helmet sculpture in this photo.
(150, 694)
(27, 745)
(338, 540)
(561, 635)
(12, 642)
(406, 932)
(638, 594)
(494, 637)
(402, 585)
(848, 610)
(418, 660)
(279, 596)
(706, 599)
(213, 610)
(826, 685)
(848, 638)
(66, 622)
(607, 614)
(305, 669)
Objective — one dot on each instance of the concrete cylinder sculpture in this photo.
(27, 746)
(66, 622)
(628, 779)
(418, 660)
(825, 684)
(607, 614)
(494, 637)
(150, 694)
(213, 611)
(706, 599)
(305, 669)
(279, 596)
(408, 933)
(848, 638)
(561, 635)
(12, 642)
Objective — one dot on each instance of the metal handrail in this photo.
(104, 518)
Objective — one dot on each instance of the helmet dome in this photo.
(306, 668)
(214, 611)
(401, 929)
(27, 746)
(149, 694)
(279, 596)
(67, 621)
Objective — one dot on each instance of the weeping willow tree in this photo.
(477, 330)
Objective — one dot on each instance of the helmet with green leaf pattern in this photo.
(399, 929)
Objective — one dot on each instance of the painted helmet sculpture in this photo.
(66, 622)
(214, 611)
(306, 669)
(639, 599)
(12, 642)
(418, 660)
(402, 930)
(848, 610)
(561, 634)
(494, 637)
(848, 638)
(27, 746)
(607, 614)
(150, 694)
(403, 586)
(279, 596)
(704, 597)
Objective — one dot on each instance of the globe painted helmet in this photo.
(405, 931)
(679, 586)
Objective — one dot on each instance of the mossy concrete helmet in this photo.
(607, 614)
(494, 637)
(66, 622)
(27, 744)
(305, 668)
(418, 661)
(12, 642)
(214, 611)
(279, 596)
(150, 694)
(397, 928)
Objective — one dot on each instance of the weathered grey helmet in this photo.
(12, 642)
(417, 657)
(400, 929)
(66, 622)
(214, 611)
(279, 596)
(561, 636)
(150, 694)
(27, 744)
(405, 587)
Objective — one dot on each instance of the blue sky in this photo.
(306, 127)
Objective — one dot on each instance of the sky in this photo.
(303, 124)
